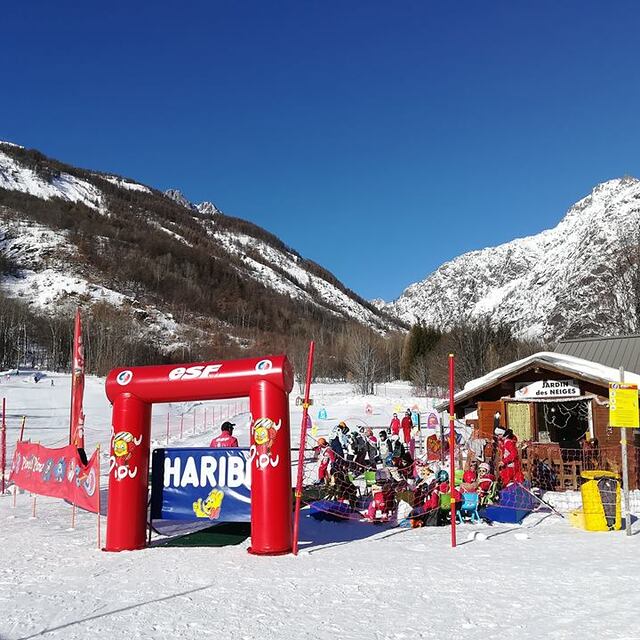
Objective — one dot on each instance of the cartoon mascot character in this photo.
(210, 506)
(265, 431)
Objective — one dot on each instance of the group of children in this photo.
(426, 487)
(359, 450)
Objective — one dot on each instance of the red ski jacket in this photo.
(225, 439)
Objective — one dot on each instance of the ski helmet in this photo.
(442, 476)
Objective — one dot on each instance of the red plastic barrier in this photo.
(267, 381)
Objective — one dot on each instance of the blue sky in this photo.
(379, 139)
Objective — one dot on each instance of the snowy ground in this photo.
(543, 579)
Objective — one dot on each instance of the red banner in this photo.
(58, 473)
(76, 432)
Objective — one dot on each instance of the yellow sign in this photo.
(623, 405)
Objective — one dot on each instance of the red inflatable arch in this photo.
(266, 381)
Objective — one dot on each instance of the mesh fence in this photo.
(371, 478)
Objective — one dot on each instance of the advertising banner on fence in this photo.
(58, 473)
(201, 484)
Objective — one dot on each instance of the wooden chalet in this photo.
(558, 407)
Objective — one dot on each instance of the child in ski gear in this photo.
(395, 425)
(469, 482)
(397, 449)
(341, 488)
(510, 469)
(443, 488)
(372, 447)
(226, 437)
(325, 456)
(405, 463)
(382, 503)
(430, 513)
(339, 443)
(406, 426)
(486, 482)
(385, 447)
(358, 446)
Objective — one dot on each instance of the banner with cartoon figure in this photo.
(58, 473)
(201, 484)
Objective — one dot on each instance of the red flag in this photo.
(76, 431)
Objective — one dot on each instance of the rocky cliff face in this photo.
(552, 285)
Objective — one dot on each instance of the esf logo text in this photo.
(195, 372)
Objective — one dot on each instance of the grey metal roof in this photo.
(615, 352)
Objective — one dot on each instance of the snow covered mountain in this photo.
(552, 285)
(70, 236)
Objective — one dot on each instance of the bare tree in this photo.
(421, 374)
(365, 359)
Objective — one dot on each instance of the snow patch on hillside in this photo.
(30, 244)
(16, 177)
(48, 288)
(125, 184)
(173, 234)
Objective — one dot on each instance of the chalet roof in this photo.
(564, 364)
(617, 351)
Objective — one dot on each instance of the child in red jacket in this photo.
(510, 469)
(325, 456)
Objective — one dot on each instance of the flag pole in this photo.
(303, 439)
(452, 445)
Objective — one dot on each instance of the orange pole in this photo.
(303, 439)
(181, 425)
(24, 419)
(452, 446)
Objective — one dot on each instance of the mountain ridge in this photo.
(77, 236)
(543, 285)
